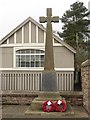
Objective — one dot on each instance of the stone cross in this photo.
(49, 58)
(49, 82)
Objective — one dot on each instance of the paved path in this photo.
(18, 111)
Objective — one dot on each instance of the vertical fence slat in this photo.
(62, 81)
(70, 82)
(33, 80)
(14, 81)
(37, 82)
(30, 80)
(0, 81)
(19, 81)
(22, 81)
(10, 80)
(5, 82)
(65, 82)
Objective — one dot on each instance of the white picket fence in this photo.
(32, 81)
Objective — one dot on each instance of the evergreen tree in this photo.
(75, 31)
(75, 26)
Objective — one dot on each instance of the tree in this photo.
(75, 26)
(75, 30)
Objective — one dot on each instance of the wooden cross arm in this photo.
(42, 19)
(55, 19)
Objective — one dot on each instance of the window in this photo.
(29, 58)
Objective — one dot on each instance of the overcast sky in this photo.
(13, 12)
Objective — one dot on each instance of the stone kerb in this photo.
(85, 73)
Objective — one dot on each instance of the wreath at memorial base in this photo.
(60, 106)
(48, 106)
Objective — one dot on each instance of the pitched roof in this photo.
(65, 44)
(42, 27)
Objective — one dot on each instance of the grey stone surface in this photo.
(74, 98)
(85, 73)
(49, 58)
(18, 111)
(49, 75)
(49, 81)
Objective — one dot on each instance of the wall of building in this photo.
(0, 57)
(30, 35)
(11, 40)
(7, 57)
(64, 58)
(26, 33)
(85, 73)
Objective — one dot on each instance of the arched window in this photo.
(29, 58)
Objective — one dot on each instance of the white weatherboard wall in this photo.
(31, 35)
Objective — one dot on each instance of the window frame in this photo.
(30, 54)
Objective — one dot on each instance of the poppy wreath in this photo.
(60, 106)
(48, 106)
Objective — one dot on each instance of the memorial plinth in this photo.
(36, 109)
(42, 97)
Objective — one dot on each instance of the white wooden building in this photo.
(22, 59)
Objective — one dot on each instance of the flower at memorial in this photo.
(60, 106)
(48, 106)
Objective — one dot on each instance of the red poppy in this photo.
(48, 106)
(60, 106)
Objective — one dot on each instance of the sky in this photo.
(14, 12)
